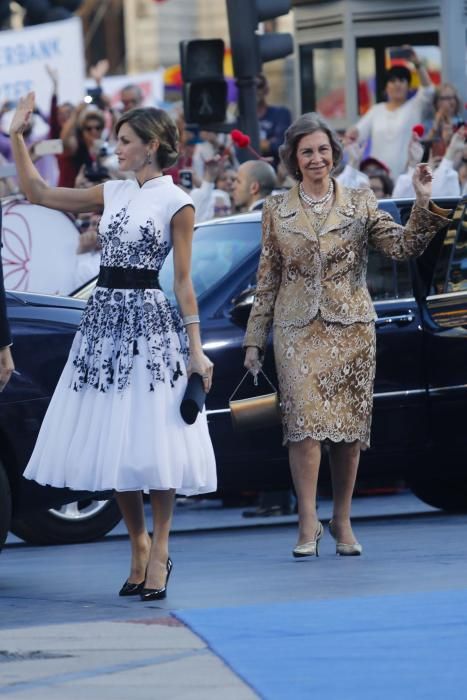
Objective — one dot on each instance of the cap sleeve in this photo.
(179, 200)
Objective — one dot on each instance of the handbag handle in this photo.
(255, 381)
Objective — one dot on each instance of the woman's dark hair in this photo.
(386, 182)
(152, 124)
(303, 126)
(398, 73)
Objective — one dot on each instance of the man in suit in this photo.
(6, 360)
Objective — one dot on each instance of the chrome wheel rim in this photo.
(79, 510)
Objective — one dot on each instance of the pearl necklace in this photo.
(317, 205)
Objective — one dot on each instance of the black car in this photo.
(421, 381)
(42, 328)
(420, 393)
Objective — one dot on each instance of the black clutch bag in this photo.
(193, 399)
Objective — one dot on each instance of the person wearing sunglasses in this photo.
(79, 135)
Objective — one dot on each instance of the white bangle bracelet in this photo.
(187, 320)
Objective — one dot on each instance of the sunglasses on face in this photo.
(92, 127)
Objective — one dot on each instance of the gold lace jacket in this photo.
(301, 274)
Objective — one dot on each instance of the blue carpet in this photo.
(373, 648)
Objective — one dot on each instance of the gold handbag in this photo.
(256, 412)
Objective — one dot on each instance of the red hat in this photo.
(373, 164)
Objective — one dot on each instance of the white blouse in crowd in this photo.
(445, 182)
(390, 130)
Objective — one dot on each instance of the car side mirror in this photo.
(240, 311)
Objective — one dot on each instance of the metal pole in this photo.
(247, 116)
(452, 41)
(242, 18)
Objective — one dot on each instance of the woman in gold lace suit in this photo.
(312, 288)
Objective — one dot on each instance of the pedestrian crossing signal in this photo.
(204, 86)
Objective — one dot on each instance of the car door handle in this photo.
(401, 320)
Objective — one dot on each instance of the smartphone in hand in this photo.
(400, 52)
(186, 179)
(48, 147)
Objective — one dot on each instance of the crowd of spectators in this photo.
(380, 150)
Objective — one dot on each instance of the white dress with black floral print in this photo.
(114, 420)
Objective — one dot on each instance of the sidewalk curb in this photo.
(272, 521)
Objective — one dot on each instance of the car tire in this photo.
(447, 493)
(82, 521)
(5, 505)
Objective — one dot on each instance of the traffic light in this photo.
(250, 49)
(40, 11)
(204, 87)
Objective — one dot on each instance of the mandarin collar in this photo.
(154, 181)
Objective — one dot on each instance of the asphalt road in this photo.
(233, 567)
(55, 588)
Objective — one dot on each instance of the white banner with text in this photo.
(24, 55)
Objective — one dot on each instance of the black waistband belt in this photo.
(127, 278)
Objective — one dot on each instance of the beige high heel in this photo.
(309, 549)
(345, 550)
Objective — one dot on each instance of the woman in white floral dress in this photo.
(113, 421)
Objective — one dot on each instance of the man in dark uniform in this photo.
(6, 360)
(273, 121)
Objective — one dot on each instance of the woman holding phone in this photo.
(389, 124)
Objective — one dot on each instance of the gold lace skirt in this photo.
(326, 373)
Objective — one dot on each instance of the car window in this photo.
(450, 272)
(218, 249)
(380, 276)
(386, 278)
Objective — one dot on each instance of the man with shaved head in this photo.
(255, 180)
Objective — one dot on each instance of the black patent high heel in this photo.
(158, 593)
(131, 588)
